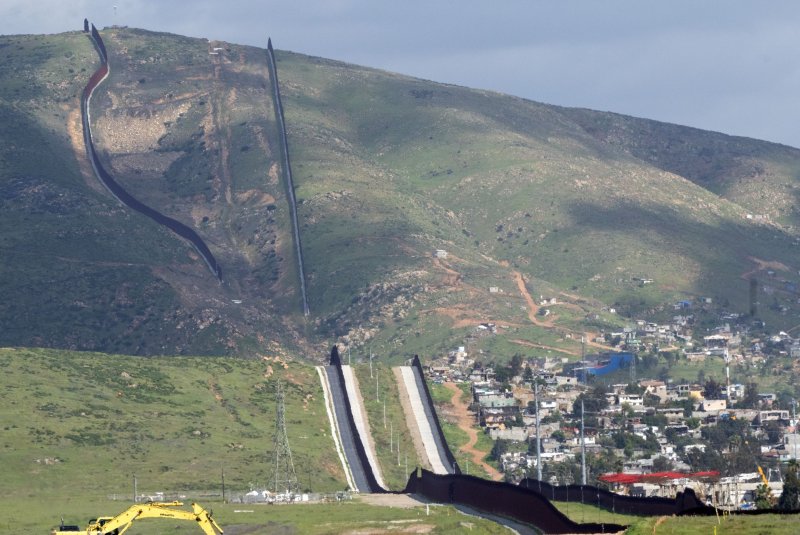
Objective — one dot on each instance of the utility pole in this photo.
(727, 376)
(391, 437)
(794, 417)
(134, 488)
(538, 430)
(223, 485)
(384, 413)
(583, 450)
(377, 388)
(370, 364)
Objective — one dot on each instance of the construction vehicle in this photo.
(117, 525)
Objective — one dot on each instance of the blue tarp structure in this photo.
(611, 362)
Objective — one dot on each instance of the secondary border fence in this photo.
(287, 170)
(452, 464)
(374, 487)
(112, 185)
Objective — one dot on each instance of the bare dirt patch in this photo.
(762, 265)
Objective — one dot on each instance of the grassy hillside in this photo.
(499, 181)
(388, 168)
(92, 421)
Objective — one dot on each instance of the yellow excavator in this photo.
(117, 525)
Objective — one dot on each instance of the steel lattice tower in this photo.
(285, 476)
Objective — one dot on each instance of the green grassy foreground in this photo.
(727, 525)
(85, 423)
(313, 519)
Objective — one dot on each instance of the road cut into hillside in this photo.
(420, 421)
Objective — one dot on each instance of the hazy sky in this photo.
(726, 65)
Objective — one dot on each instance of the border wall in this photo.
(287, 170)
(360, 452)
(618, 503)
(502, 499)
(116, 189)
(452, 465)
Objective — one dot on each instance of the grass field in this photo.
(36, 516)
(92, 421)
(710, 525)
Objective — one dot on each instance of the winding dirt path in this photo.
(533, 308)
(465, 418)
(541, 346)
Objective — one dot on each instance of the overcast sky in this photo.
(727, 65)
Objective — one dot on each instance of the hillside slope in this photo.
(387, 169)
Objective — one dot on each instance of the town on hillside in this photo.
(644, 432)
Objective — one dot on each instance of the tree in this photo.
(790, 497)
(774, 432)
(499, 448)
(527, 375)
(515, 366)
(594, 401)
(662, 464)
(764, 498)
(750, 398)
(712, 390)
(633, 388)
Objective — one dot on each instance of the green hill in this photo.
(388, 168)
(93, 420)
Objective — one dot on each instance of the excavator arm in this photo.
(123, 521)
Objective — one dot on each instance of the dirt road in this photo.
(465, 419)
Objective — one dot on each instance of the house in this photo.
(714, 405)
(440, 253)
(634, 400)
(655, 388)
(492, 401)
(772, 416)
(517, 434)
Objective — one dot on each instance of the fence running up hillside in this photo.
(287, 171)
(360, 451)
(430, 412)
(108, 181)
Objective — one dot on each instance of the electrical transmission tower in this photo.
(285, 476)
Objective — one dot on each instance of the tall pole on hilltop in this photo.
(583, 450)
